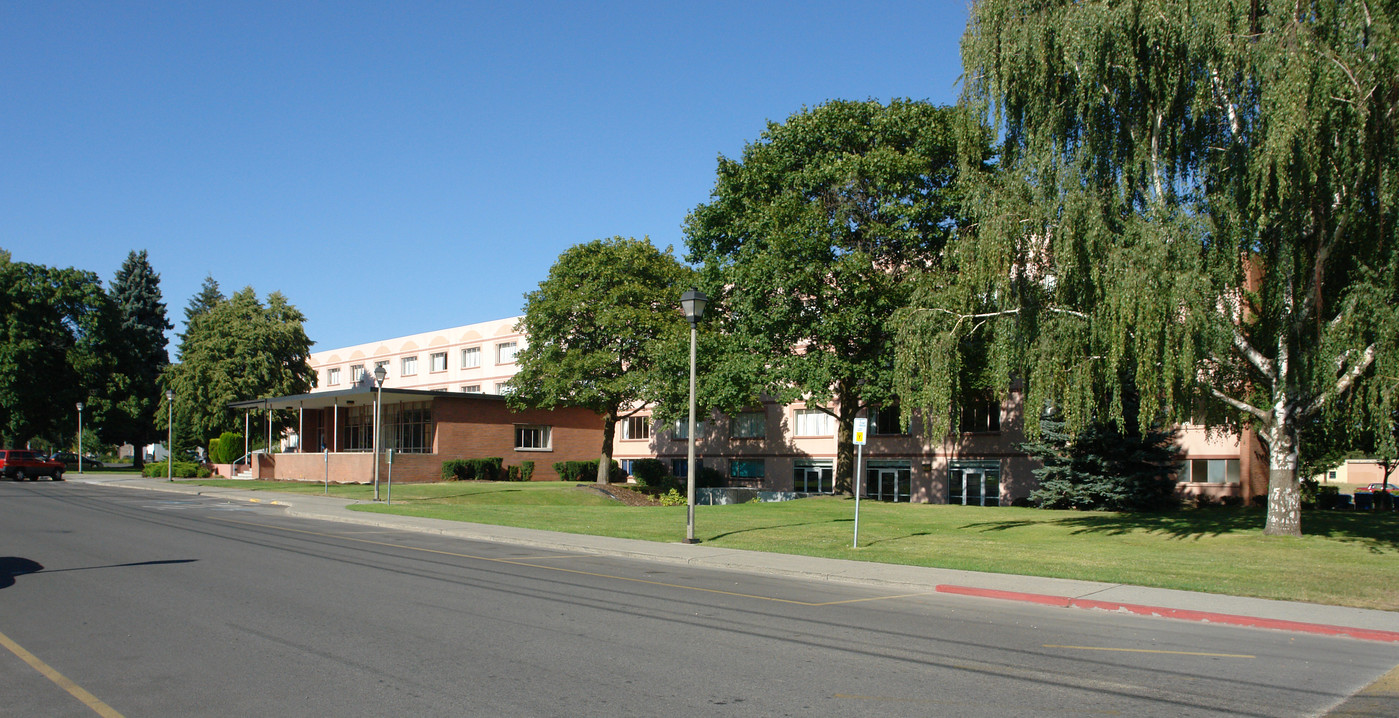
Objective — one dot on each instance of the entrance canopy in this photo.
(354, 396)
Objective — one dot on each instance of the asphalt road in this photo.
(138, 603)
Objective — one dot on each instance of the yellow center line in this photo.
(525, 563)
(59, 679)
(1147, 650)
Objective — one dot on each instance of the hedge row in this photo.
(586, 471)
(178, 470)
(488, 469)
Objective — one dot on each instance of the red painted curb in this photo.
(1363, 634)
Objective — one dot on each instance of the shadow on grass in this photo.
(776, 526)
(466, 494)
(1379, 530)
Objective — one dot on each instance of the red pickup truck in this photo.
(21, 464)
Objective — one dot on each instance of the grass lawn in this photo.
(1345, 558)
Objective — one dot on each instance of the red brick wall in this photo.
(468, 427)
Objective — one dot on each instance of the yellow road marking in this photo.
(59, 679)
(1147, 650)
(519, 562)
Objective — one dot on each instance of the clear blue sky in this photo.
(399, 167)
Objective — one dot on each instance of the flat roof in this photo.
(363, 394)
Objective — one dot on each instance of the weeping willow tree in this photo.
(1200, 196)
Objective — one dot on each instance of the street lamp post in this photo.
(169, 434)
(80, 437)
(379, 374)
(692, 302)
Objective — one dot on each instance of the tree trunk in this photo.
(609, 431)
(849, 406)
(1284, 491)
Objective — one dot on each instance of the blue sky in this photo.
(401, 167)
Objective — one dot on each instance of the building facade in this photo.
(774, 446)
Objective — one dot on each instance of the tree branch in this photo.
(1241, 406)
(1344, 383)
(1254, 357)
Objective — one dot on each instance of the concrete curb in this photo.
(1174, 613)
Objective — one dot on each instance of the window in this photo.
(1210, 471)
(471, 357)
(408, 427)
(746, 469)
(410, 366)
(358, 428)
(750, 425)
(502, 388)
(439, 361)
(333, 376)
(636, 427)
(680, 467)
(889, 481)
(356, 373)
(981, 413)
(532, 438)
(681, 432)
(472, 388)
(886, 421)
(505, 353)
(813, 422)
(385, 364)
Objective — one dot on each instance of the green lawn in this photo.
(1345, 558)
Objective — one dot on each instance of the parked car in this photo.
(1377, 487)
(23, 464)
(70, 460)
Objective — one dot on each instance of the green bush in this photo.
(652, 472)
(526, 470)
(512, 473)
(226, 449)
(178, 470)
(586, 471)
(488, 469)
(672, 498)
(707, 477)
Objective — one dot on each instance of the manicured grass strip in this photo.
(1345, 557)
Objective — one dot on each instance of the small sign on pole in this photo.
(861, 427)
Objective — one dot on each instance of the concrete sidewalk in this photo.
(1182, 605)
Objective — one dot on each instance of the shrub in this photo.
(226, 449)
(512, 473)
(1231, 501)
(672, 498)
(178, 470)
(586, 471)
(1103, 468)
(709, 478)
(488, 469)
(526, 470)
(652, 472)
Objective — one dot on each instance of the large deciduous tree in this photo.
(139, 349)
(1201, 196)
(237, 349)
(55, 327)
(807, 242)
(593, 328)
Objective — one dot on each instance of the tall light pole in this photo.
(692, 302)
(169, 434)
(80, 437)
(379, 373)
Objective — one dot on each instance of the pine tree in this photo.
(140, 352)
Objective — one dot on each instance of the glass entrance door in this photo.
(813, 479)
(889, 484)
(974, 485)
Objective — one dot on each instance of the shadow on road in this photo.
(11, 566)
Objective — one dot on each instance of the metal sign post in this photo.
(389, 498)
(861, 426)
(326, 455)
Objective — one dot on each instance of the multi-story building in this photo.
(781, 447)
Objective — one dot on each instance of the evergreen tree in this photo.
(139, 349)
(208, 297)
(1103, 468)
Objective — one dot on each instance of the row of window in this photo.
(437, 362)
(984, 417)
